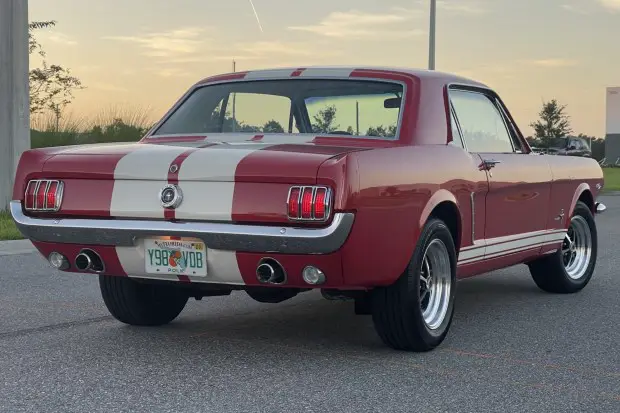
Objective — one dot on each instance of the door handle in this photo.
(488, 164)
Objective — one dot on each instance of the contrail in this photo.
(256, 14)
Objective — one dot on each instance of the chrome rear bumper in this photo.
(223, 236)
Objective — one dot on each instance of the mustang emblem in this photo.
(171, 196)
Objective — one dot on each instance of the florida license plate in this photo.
(175, 257)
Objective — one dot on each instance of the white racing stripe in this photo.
(497, 247)
(139, 176)
(207, 179)
(327, 72)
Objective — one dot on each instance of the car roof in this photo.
(341, 71)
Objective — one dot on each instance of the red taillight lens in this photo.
(293, 202)
(306, 203)
(40, 197)
(43, 195)
(50, 201)
(309, 203)
(30, 194)
(319, 203)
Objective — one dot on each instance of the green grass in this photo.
(8, 231)
(612, 179)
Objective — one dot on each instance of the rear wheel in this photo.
(570, 269)
(141, 304)
(415, 313)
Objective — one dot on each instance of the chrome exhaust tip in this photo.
(270, 271)
(89, 260)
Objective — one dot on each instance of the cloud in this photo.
(276, 48)
(358, 24)
(61, 38)
(171, 72)
(572, 8)
(108, 87)
(165, 44)
(459, 7)
(611, 4)
(462, 7)
(552, 63)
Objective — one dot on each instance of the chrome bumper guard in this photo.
(222, 236)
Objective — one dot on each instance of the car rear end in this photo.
(244, 183)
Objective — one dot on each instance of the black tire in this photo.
(397, 309)
(549, 272)
(141, 304)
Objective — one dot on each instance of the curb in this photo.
(22, 246)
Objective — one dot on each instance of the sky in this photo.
(144, 54)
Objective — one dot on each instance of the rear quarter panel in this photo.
(389, 190)
(572, 176)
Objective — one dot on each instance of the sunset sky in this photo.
(145, 53)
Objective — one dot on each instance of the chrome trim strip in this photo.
(224, 236)
(473, 216)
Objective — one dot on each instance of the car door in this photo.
(519, 183)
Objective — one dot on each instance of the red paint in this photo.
(173, 177)
(223, 78)
(392, 187)
(330, 264)
(297, 72)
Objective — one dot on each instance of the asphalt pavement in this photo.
(512, 348)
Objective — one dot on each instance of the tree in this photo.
(382, 131)
(273, 126)
(324, 119)
(51, 86)
(553, 123)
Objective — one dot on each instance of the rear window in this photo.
(315, 106)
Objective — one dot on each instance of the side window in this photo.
(481, 123)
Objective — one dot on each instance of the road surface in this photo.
(512, 348)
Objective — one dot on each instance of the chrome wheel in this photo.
(577, 248)
(435, 284)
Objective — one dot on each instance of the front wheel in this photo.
(141, 304)
(570, 269)
(415, 313)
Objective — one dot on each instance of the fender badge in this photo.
(171, 196)
(173, 168)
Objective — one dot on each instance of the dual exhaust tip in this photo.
(270, 271)
(89, 260)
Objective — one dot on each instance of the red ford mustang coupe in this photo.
(382, 186)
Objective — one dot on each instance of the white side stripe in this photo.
(496, 247)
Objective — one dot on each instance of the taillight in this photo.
(43, 195)
(309, 203)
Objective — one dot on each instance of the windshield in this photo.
(344, 107)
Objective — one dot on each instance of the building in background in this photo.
(612, 129)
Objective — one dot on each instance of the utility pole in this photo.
(234, 110)
(14, 92)
(431, 36)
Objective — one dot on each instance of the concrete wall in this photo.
(612, 136)
(14, 95)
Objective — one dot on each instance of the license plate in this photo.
(175, 257)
